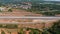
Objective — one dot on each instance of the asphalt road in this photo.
(15, 17)
(41, 17)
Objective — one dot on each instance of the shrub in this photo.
(55, 29)
(2, 32)
(10, 10)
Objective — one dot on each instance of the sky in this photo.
(52, 0)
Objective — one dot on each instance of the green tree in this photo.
(2, 32)
(10, 10)
(55, 29)
(21, 31)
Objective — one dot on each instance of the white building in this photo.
(2, 8)
(25, 6)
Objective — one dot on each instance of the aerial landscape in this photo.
(29, 8)
(29, 26)
(29, 16)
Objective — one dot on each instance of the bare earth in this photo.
(19, 12)
(7, 31)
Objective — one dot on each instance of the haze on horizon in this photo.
(51, 0)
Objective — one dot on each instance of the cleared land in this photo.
(19, 12)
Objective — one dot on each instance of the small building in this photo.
(25, 7)
(4, 8)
